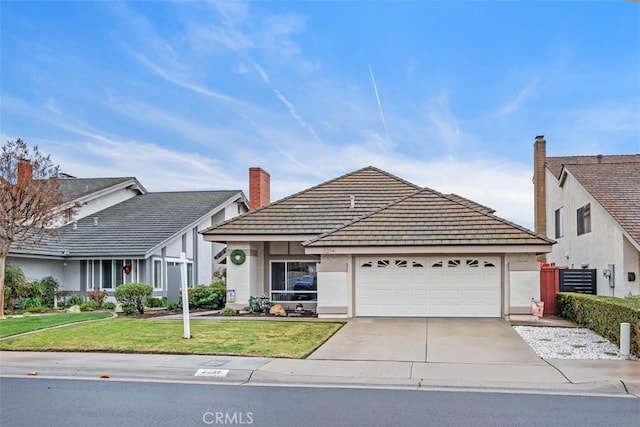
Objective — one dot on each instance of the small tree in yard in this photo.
(29, 194)
(133, 294)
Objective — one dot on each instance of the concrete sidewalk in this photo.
(603, 377)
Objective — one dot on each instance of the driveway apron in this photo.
(438, 340)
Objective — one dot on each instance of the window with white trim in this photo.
(157, 274)
(294, 281)
(108, 274)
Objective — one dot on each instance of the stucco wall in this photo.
(334, 286)
(604, 245)
(36, 269)
(523, 278)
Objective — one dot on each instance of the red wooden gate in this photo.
(549, 286)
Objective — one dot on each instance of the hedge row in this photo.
(603, 315)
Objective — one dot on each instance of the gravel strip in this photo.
(568, 343)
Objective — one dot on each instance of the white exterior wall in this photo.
(105, 201)
(37, 268)
(604, 245)
(335, 286)
(92, 206)
(239, 277)
(522, 283)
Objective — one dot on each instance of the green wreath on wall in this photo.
(238, 256)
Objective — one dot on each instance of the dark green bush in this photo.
(109, 305)
(228, 312)
(603, 315)
(75, 299)
(31, 303)
(97, 296)
(133, 294)
(15, 285)
(210, 297)
(259, 305)
(153, 302)
(45, 289)
(129, 310)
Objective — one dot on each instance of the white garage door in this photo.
(447, 286)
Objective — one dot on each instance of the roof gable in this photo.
(137, 225)
(76, 188)
(323, 207)
(616, 187)
(555, 164)
(429, 218)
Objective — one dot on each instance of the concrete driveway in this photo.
(439, 340)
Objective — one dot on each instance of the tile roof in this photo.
(470, 203)
(137, 225)
(555, 163)
(321, 208)
(616, 186)
(74, 188)
(429, 218)
(387, 211)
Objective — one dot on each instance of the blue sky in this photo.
(449, 95)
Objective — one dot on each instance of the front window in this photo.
(294, 281)
(584, 219)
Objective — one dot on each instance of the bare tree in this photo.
(28, 199)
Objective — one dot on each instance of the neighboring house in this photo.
(591, 206)
(112, 231)
(371, 244)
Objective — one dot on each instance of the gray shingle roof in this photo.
(74, 188)
(616, 186)
(321, 208)
(137, 225)
(429, 218)
(555, 164)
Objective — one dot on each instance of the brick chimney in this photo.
(539, 190)
(259, 188)
(25, 171)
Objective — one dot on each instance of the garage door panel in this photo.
(452, 286)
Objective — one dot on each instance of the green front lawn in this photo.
(238, 338)
(19, 325)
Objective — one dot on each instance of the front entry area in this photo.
(433, 286)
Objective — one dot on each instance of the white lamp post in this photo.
(185, 296)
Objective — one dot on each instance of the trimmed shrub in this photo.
(228, 312)
(110, 305)
(603, 315)
(129, 310)
(208, 297)
(133, 294)
(153, 302)
(98, 296)
(259, 305)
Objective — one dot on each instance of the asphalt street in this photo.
(58, 402)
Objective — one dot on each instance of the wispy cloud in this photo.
(375, 90)
(516, 102)
(444, 121)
